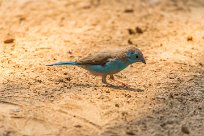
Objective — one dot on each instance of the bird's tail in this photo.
(62, 63)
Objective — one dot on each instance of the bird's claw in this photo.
(125, 85)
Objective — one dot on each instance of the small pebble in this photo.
(130, 133)
(70, 52)
(130, 42)
(189, 38)
(68, 78)
(185, 129)
(128, 10)
(107, 91)
(139, 30)
(9, 39)
(65, 73)
(78, 126)
(131, 31)
(116, 105)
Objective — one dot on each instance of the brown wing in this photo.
(96, 59)
(101, 58)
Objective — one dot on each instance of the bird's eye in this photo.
(137, 56)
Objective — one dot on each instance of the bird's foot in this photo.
(120, 82)
(126, 85)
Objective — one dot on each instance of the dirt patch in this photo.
(40, 100)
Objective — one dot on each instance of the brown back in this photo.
(102, 57)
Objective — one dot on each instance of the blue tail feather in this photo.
(62, 63)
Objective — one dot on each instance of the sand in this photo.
(167, 94)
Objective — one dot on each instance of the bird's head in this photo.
(134, 55)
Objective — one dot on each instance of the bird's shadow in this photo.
(118, 87)
(124, 88)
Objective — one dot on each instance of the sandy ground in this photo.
(168, 99)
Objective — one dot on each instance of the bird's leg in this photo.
(112, 77)
(123, 84)
(104, 79)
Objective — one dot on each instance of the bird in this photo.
(107, 62)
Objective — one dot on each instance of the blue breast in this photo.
(111, 67)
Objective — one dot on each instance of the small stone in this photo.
(117, 105)
(95, 88)
(185, 129)
(130, 133)
(68, 78)
(39, 81)
(22, 18)
(189, 38)
(139, 30)
(78, 126)
(9, 39)
(124, 113)
(107, 91)
(131, 31)
(65, 73)
(200, 64)
(69, 52)
(128, 10)
(130, 42)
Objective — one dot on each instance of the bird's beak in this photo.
(143, 61)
